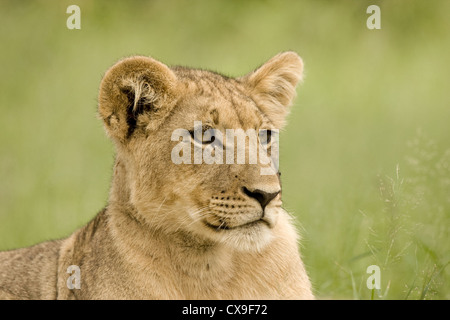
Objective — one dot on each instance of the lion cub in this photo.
(190, 230)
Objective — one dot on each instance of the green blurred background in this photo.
(365, 157)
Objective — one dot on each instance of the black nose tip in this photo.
(263, 197)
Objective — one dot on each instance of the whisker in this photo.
(196, 216)
(221, 225)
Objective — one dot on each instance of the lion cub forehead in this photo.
(205, 83)
(216, 100)
(218, 111)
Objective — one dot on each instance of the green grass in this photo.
(365, 157)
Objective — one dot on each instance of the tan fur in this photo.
(177, 231)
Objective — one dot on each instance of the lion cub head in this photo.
(146, 107)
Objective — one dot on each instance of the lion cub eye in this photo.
(265, 137)
(204, 135)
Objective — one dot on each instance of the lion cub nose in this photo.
(261, 196)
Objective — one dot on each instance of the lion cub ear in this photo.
(272, 85)
(133, 92)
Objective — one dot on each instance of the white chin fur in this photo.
(253, 239)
